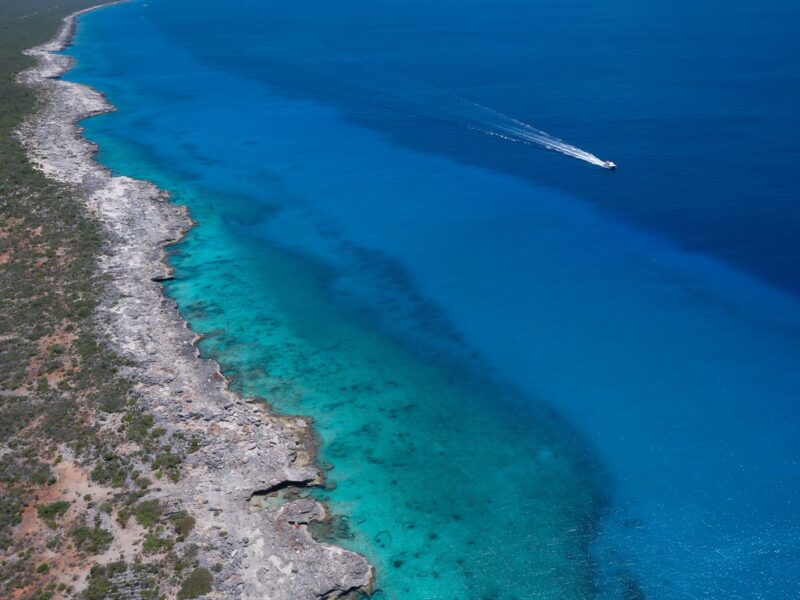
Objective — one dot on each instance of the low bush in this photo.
(92, 540)
(148, 512)
(50, 512)
(196, 584)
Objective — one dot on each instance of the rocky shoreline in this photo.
(243, 448)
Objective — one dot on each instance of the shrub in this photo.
(98, 584)
(148, 512)
(196, 584)
(183, 523)
(138, 426)
(49, 512)
(92, 540)
(111, 470)
(154, 544)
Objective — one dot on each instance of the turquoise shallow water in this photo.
(519, 395)
(447, 499)
(431, 484)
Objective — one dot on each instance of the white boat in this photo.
(607, 164)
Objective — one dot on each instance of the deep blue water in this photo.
(532, 377)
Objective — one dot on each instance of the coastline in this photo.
(243, 449)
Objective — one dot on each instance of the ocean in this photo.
(531, 376)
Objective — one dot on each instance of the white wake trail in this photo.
(514, 130)
(403, 95)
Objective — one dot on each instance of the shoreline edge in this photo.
(245, 450)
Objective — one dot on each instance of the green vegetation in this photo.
(59, 383)
(196, 584)
(11, 505)
(99, 584)
(148, 512)
(183, 523)
(155, 544)
(100, 577)
(50, 512)
(111, 470)
(92, 540)
(52, 371)
(139, 425)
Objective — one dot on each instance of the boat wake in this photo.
(400, 94)
(514, 130)
(441, 106)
